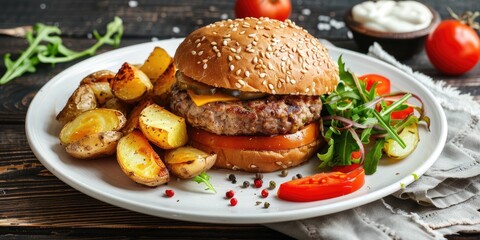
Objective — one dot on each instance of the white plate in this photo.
(104, 180)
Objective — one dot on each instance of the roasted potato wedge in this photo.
(102, 91)
(163, 85)
(98, 76)
(158, 61)
(117, 104)
(90, 123)
(163, 128)
(188, 162)
(130, 84)
(82, 100)
(132, 120)
(139, 161)
(409, 135)
(95, 145)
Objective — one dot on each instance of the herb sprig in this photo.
(204, 178)
(46, 46)
(352, 121)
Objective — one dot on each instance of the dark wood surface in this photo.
(35, 204)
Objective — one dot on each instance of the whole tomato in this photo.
(453, 47)
(276, 9)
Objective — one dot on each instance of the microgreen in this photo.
(204, 178)
(46, 46)
(351, 121)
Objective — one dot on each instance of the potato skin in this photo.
(139, 161)
(95, 145)
(81, 100)
(187, 162)
(163, 85)
(98, 76)
(410, 136)
(134, 116)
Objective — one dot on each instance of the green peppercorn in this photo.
(272, 185)
(284, 173)
(266, 205)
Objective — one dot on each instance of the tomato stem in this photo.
(467, 18)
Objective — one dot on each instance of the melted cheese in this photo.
(200, 100)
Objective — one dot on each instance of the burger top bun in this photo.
(258, 55)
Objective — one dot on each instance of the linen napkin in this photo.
(444, 201)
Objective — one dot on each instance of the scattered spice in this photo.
(264, 193)
(294, 177)
(284, 173)
(169, 193)
(258, 203)
(258, 176)
(272, 185)
(232, 177)
(233, 201)
(229, 194)
(266, 205)
(246, 184)
(258, 183)
(299, 175)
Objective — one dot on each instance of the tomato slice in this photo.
(402, 114)
(322, 186)
(383, 83)
(347, 168)
(305, 136)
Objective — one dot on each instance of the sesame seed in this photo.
(268, 55)
(254, 43)
(237, 85)
(270, 66)
(233, 50)
(303, 71)
(279, 85)
(199, 44)
(262, 75)
(238, 57)
(203, 38)
(270, 86)
(225, 42)
(250, 50)
(242, 32)
(205, 66)
(264, 82)
(241, 82)
(247, 73)
(284, 58)
(255, 60)
(238, 72)
(213, 43)
(269, 48)
(219, 54)
(293, 81)
(226, 35)
(194, 53)
(251, 35)
(200, 53)
(198, 62)
(232, 67)
(205, 60)
(230, 58)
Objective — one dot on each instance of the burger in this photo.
(250, 91)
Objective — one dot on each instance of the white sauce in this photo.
(391, 16)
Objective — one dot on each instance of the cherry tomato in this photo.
(276, 9)
(322, 186)
(453, 47)
(383, 83)
(278, 142)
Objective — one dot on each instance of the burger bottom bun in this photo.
(260, 161)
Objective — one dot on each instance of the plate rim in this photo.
(264, 217)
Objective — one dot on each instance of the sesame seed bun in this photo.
(258, 55)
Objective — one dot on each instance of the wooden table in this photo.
(35, 204)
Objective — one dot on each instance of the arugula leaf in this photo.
(204, 178)
(373, 156)
(45, 46)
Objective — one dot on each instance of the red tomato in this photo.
(453, 47)
(383, 83)
(356, 154)
(402, 114)
(322, 186)
(276, 9)
(278, 142)
(347, 168)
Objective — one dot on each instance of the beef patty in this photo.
(275, 114)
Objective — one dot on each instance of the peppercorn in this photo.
(233, 201)
(246, 184)
(272, 185)
(258, 183)
(229, 194)
(232, 177)
(299, 175)
(169, 193)
(266, 205)
(284, 173)
(264, 193)
(294, 177)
